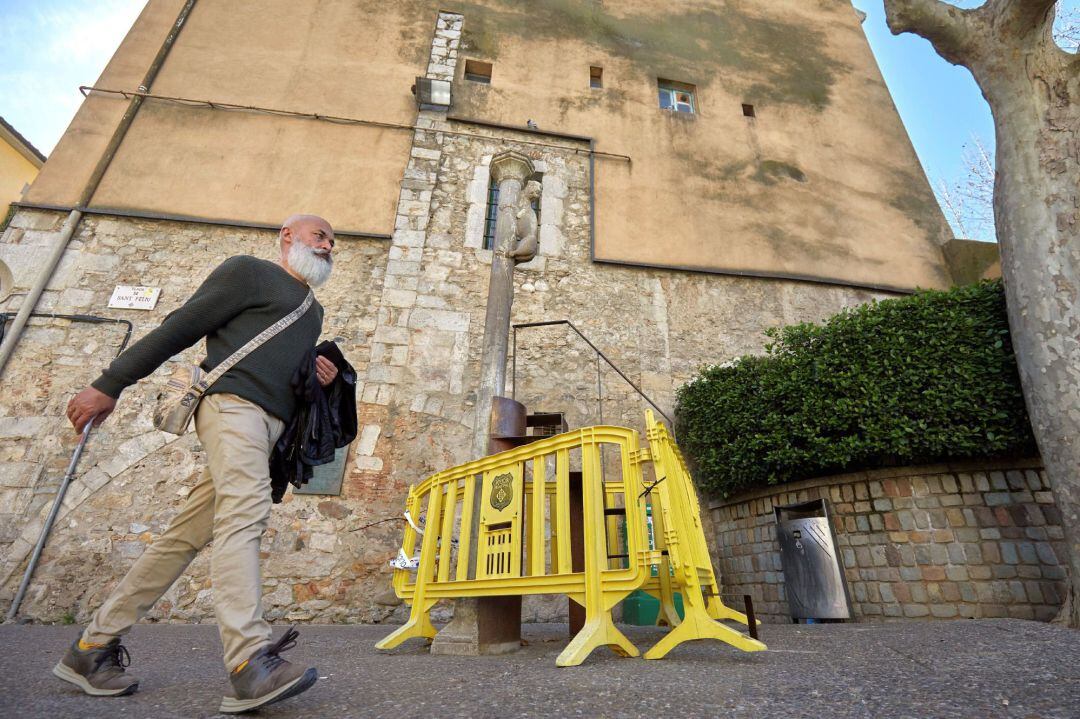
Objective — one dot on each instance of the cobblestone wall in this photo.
(939, 541)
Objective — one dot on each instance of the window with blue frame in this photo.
(676, 96)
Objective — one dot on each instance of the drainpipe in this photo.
(67, 231)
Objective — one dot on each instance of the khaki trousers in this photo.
(230, 505)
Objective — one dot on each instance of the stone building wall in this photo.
(409, 315)
(956, 541)
(132, 479)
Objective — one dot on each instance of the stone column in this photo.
(511, 170)
(492, 625)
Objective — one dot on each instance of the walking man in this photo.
(238, 422)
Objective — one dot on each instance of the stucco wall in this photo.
(715, 190)
(334, 58)
(822, 184)
(960, 541)
(16, 172)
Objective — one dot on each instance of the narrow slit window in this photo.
(477, 71)
(676, 97)
(596, 77)
(490, 216)
(326, 478)
(748, 111)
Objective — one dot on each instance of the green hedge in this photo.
(926, 378)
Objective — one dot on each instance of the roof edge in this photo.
(20, 143)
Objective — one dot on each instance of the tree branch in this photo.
(1067, 29)
(949, 29)
(1020, 16)
(1027, 25)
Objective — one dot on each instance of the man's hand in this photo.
(325, 371)
(87, 404)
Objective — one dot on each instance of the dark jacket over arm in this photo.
(324, 422)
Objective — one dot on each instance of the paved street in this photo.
(970, 669)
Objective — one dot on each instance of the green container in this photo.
(641, 608)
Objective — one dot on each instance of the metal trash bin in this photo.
(813, 580)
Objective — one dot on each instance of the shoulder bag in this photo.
(188, 383)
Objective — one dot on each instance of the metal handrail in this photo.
(600, 355)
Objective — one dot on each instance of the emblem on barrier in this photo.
(502, 491)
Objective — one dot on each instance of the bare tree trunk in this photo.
(1033, 88)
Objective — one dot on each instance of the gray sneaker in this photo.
(98, 671)
(266, 678)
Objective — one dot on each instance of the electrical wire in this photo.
(381, 521)
(229, 106)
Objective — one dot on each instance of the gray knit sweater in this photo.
(240, 299)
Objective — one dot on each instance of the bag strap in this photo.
(214, 375)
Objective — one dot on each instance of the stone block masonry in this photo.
(133, 479)
(944, 542)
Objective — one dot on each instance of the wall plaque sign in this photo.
(126, 297)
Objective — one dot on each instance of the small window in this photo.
(676, 96)
(749, 111)
(596, 77)
(477, 71)
(326, 478)
(492, 213)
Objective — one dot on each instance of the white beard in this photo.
(313, 266)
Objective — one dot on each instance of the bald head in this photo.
(307, 242)
(307, 228)
(295, 223)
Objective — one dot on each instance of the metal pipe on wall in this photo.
(194, 219)
(67, 231)
(91, 319)
(7, 347)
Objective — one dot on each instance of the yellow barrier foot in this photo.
(698, 625)
(416, 627)
(596, 633)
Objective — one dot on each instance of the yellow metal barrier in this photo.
(501, 526)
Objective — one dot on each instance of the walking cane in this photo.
(49, 521)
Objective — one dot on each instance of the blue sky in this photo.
(47, 49)
(50, 47)
(940, 104)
